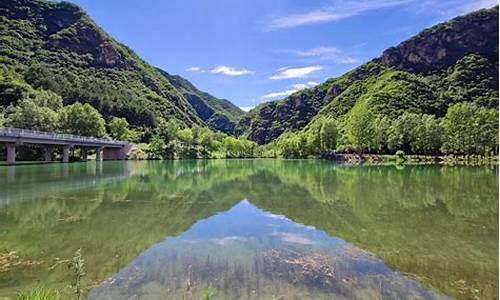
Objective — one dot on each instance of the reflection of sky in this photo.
(246, 223)
(245, 230)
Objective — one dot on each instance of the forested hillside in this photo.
(218, 114)
(436, 93)
(54, 50)
(450, 63)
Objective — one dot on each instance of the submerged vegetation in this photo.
(441, 229)
(39, 293)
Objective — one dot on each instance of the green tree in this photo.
(82, 119)
(3, 119)
(328, 135)
(158, 149)
(402, 132)
(382, 126)
(313, 139)
(360, 127)
(119, 129)
(427, 135)
(38, 112)
(469, 129)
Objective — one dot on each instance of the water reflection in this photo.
(31, 184)
(246, 253)
(437, 225)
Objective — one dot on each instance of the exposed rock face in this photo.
(433, 52)
(67, 53)
(83, 38)
(442, 45)
(66, 26)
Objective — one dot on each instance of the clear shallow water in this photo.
(252, 229)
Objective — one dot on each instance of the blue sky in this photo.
(254, 51)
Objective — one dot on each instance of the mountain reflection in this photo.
(437, 225)
(246, 253)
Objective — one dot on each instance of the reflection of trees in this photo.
(437, 223)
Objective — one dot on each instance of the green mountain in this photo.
(57, 47)
(452, 62)
(218, 114)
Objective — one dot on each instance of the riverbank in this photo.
(346, 158)
(353, 158)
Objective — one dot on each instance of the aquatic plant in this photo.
(39, 293)
(208, 293)
(78, 265)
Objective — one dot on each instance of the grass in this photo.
(39, 293)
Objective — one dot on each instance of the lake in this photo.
(251, 229)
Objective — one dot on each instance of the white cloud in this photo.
(451, 8)
(341, 9)
(287, 73)
(194, 69)
(320, 51)
(231, 71)
(294, 238)
(246, 108)
(294, 88)
(328, 53)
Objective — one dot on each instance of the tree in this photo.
(313, 139)
(3, 119)
(487, 139)
(38, 112)
(328, 135)
(426, 137)
(82, 119)
(469, 129)
(360, 127)
(382, 126)
(157, 148)
(119, 129)
(402, 132)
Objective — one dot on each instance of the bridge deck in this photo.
(21, 136)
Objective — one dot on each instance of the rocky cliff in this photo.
(449, 63)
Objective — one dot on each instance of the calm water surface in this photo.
(251, 229)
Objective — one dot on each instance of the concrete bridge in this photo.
(105, 148)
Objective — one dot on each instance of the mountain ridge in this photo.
(56, 46)
(426, 64)
(218, 114)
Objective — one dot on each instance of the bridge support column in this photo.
(83, 154)
(47, 152)
(11, 154)
(117, 153)
(98, 153)
(66, 153)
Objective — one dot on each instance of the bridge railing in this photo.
(71, 138)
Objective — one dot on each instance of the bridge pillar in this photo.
(48, 152)
(11, 154)
(117, 153)
(99, 154)
(66, 153)
(83, 154)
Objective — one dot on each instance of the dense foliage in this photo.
(465, 129)
(171, 141)
(56, 47)
(60, 72)
(218, 114)
(452, 63)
